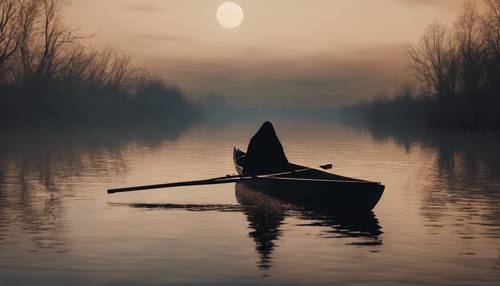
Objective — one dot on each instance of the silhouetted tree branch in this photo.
(470, 49)
(434, 61)
(47, 74)
(457, 71)
(8, 35)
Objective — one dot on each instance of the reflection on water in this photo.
(36, 164)
(364, 227)
(440, 213)
(52, 155)
(464, 184)
(266, 214)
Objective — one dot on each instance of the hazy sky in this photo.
(286, 52)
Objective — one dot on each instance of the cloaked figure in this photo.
(265, 153)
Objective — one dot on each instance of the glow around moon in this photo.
(230, 15)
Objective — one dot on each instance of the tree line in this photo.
(455, 74)
(48, 74)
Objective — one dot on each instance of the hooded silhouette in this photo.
(265, 153)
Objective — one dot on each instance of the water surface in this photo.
(437, 223)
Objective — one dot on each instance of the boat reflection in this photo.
(266, 215)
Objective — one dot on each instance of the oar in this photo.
(212, 181)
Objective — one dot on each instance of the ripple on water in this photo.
(437, 223)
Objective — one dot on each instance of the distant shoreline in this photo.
(455, 81)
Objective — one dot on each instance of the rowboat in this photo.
(315, 188)
(304, 186)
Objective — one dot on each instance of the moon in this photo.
(230, 15)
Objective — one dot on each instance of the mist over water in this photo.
(437, 223)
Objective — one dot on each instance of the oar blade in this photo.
(326, 166)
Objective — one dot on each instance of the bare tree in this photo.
(47, 72)
(56, 37)
(75, 65)
(8, 35)
(434, 61)
(27, 15)
(108, 68)
(491, 39)
(43, 39)
(119, 70)
(470, 50)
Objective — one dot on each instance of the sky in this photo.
(314, 53)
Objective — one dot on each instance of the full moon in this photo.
(230, 15)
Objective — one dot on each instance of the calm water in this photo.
(437, 223)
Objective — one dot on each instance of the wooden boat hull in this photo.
(316, 189)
